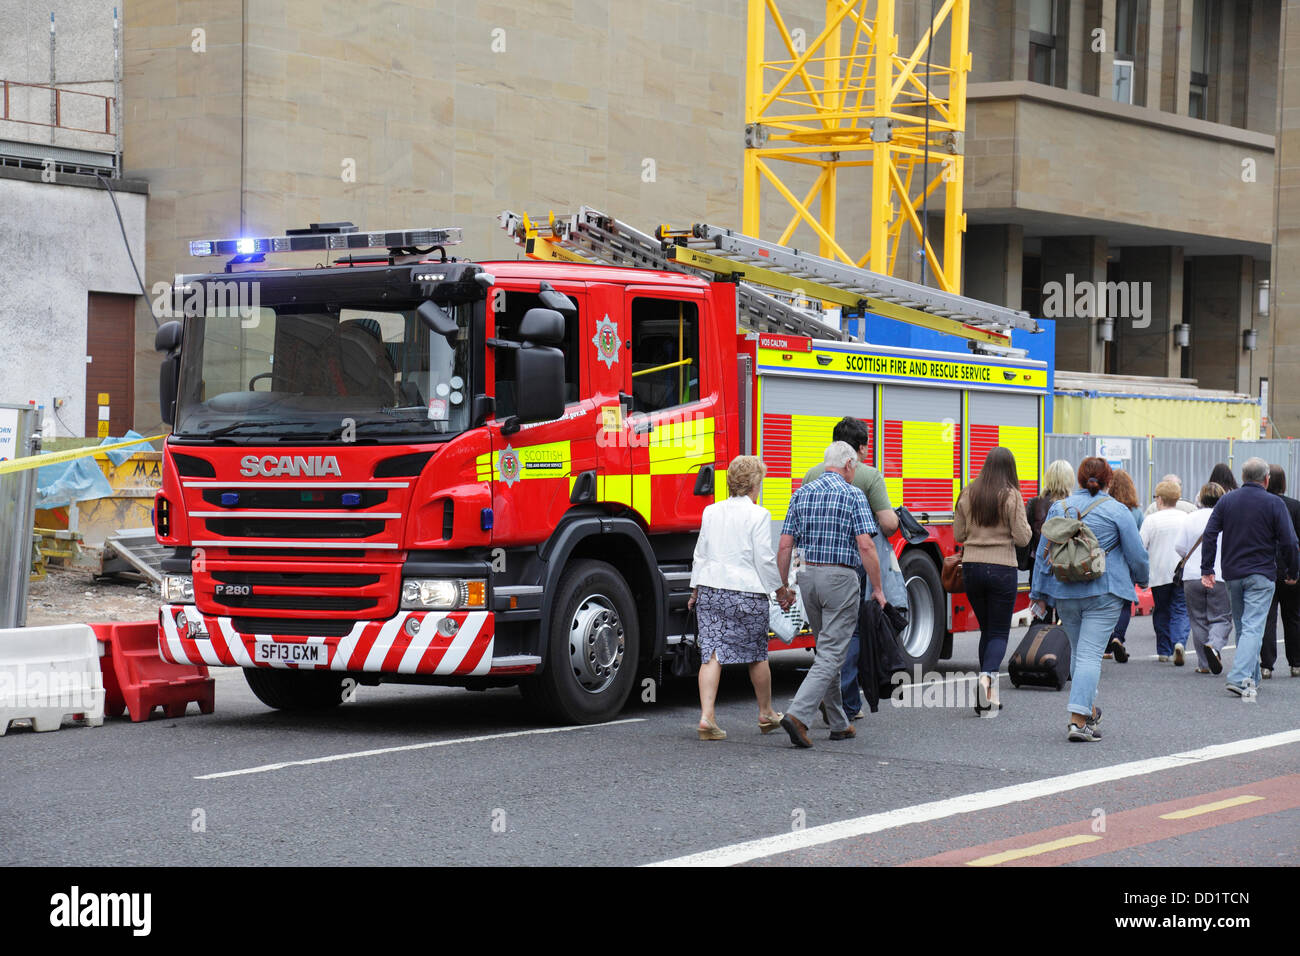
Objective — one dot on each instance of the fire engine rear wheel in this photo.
(295, 690)
(923, 640)
(592, 649)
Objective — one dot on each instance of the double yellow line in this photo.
(57, 457)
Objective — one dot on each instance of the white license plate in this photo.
(274, 652)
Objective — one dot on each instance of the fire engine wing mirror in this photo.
(168, 341)
(168, 337)
(540, 384)
(552, 298)
(542, 327)
(438, 320)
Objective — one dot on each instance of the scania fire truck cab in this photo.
(404, 467)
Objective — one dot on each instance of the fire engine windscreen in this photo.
(322, 374)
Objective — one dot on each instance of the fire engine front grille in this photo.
(319, 528)
(298, 602)
(299, 580)
(289, 627)
(281, 499)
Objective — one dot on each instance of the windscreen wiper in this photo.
(227, 429)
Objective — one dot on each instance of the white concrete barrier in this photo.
(48, 673)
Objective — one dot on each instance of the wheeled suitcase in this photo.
(1043, 657)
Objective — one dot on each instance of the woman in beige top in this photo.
(990, 523)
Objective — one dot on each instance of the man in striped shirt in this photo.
(831, 523)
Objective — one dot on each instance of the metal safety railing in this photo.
(1148, 459)
(11, 93)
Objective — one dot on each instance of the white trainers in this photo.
(1179, 655)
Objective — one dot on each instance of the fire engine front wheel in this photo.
(923, 640)
(295, 690)
(591, 652)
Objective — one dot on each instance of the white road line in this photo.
(265, 768)
(968, 803)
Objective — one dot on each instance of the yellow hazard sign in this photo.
(58, 457)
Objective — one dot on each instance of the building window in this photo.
(1198, 91)
(1122, 91)
(1125, 50)
(1042, 42)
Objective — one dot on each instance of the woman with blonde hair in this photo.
(1160, 533)
(733, 574)
(1056, 485)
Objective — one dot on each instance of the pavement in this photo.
(1185, 775)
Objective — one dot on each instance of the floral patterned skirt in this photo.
(732, 625)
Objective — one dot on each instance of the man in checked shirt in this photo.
(831, 522)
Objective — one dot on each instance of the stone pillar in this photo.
(1090, 74)
(1152, 278)
(1071, 265)
(1262, 76)
(1284, 311)
(1106, 57)
(1078, 44)
(1176, 62)
(995, 257)
(1020, 41)
(1151, 40)
(1219, 312)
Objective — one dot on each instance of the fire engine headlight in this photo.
(443, 595)
(178, 589)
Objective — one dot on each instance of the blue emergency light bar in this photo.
(335, 239)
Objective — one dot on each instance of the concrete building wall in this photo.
(83, 63)
(69, 246)
(1066, 154)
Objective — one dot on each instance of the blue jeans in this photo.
(1125, 615)
(1089, 623)
(1180, 623)
(1162, 616)
(1251, 598)
(991, 591)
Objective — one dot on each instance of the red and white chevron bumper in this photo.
(382, 647)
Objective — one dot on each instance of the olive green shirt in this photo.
(870, 481)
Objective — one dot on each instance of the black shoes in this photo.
(1117, 648)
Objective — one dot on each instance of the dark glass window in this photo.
(517, 305)
(1042, 41)
(665, 353)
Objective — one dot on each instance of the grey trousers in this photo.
(831, 599)
(1210, 614)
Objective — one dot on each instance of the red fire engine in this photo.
(405, 467)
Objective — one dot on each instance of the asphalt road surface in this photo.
(1185, 775)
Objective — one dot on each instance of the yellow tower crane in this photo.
(846, 99)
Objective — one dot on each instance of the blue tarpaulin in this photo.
(117, 457)
(69, 481)
(81, 479)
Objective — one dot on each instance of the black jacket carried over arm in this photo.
(879, 657)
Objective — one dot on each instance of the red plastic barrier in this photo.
(138, 680)
(1145, 603)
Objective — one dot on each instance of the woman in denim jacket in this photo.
(1089, 610)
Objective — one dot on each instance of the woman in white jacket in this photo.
(733, 574)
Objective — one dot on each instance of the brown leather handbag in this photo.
(951, 575)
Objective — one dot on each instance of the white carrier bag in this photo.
(786, 624)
